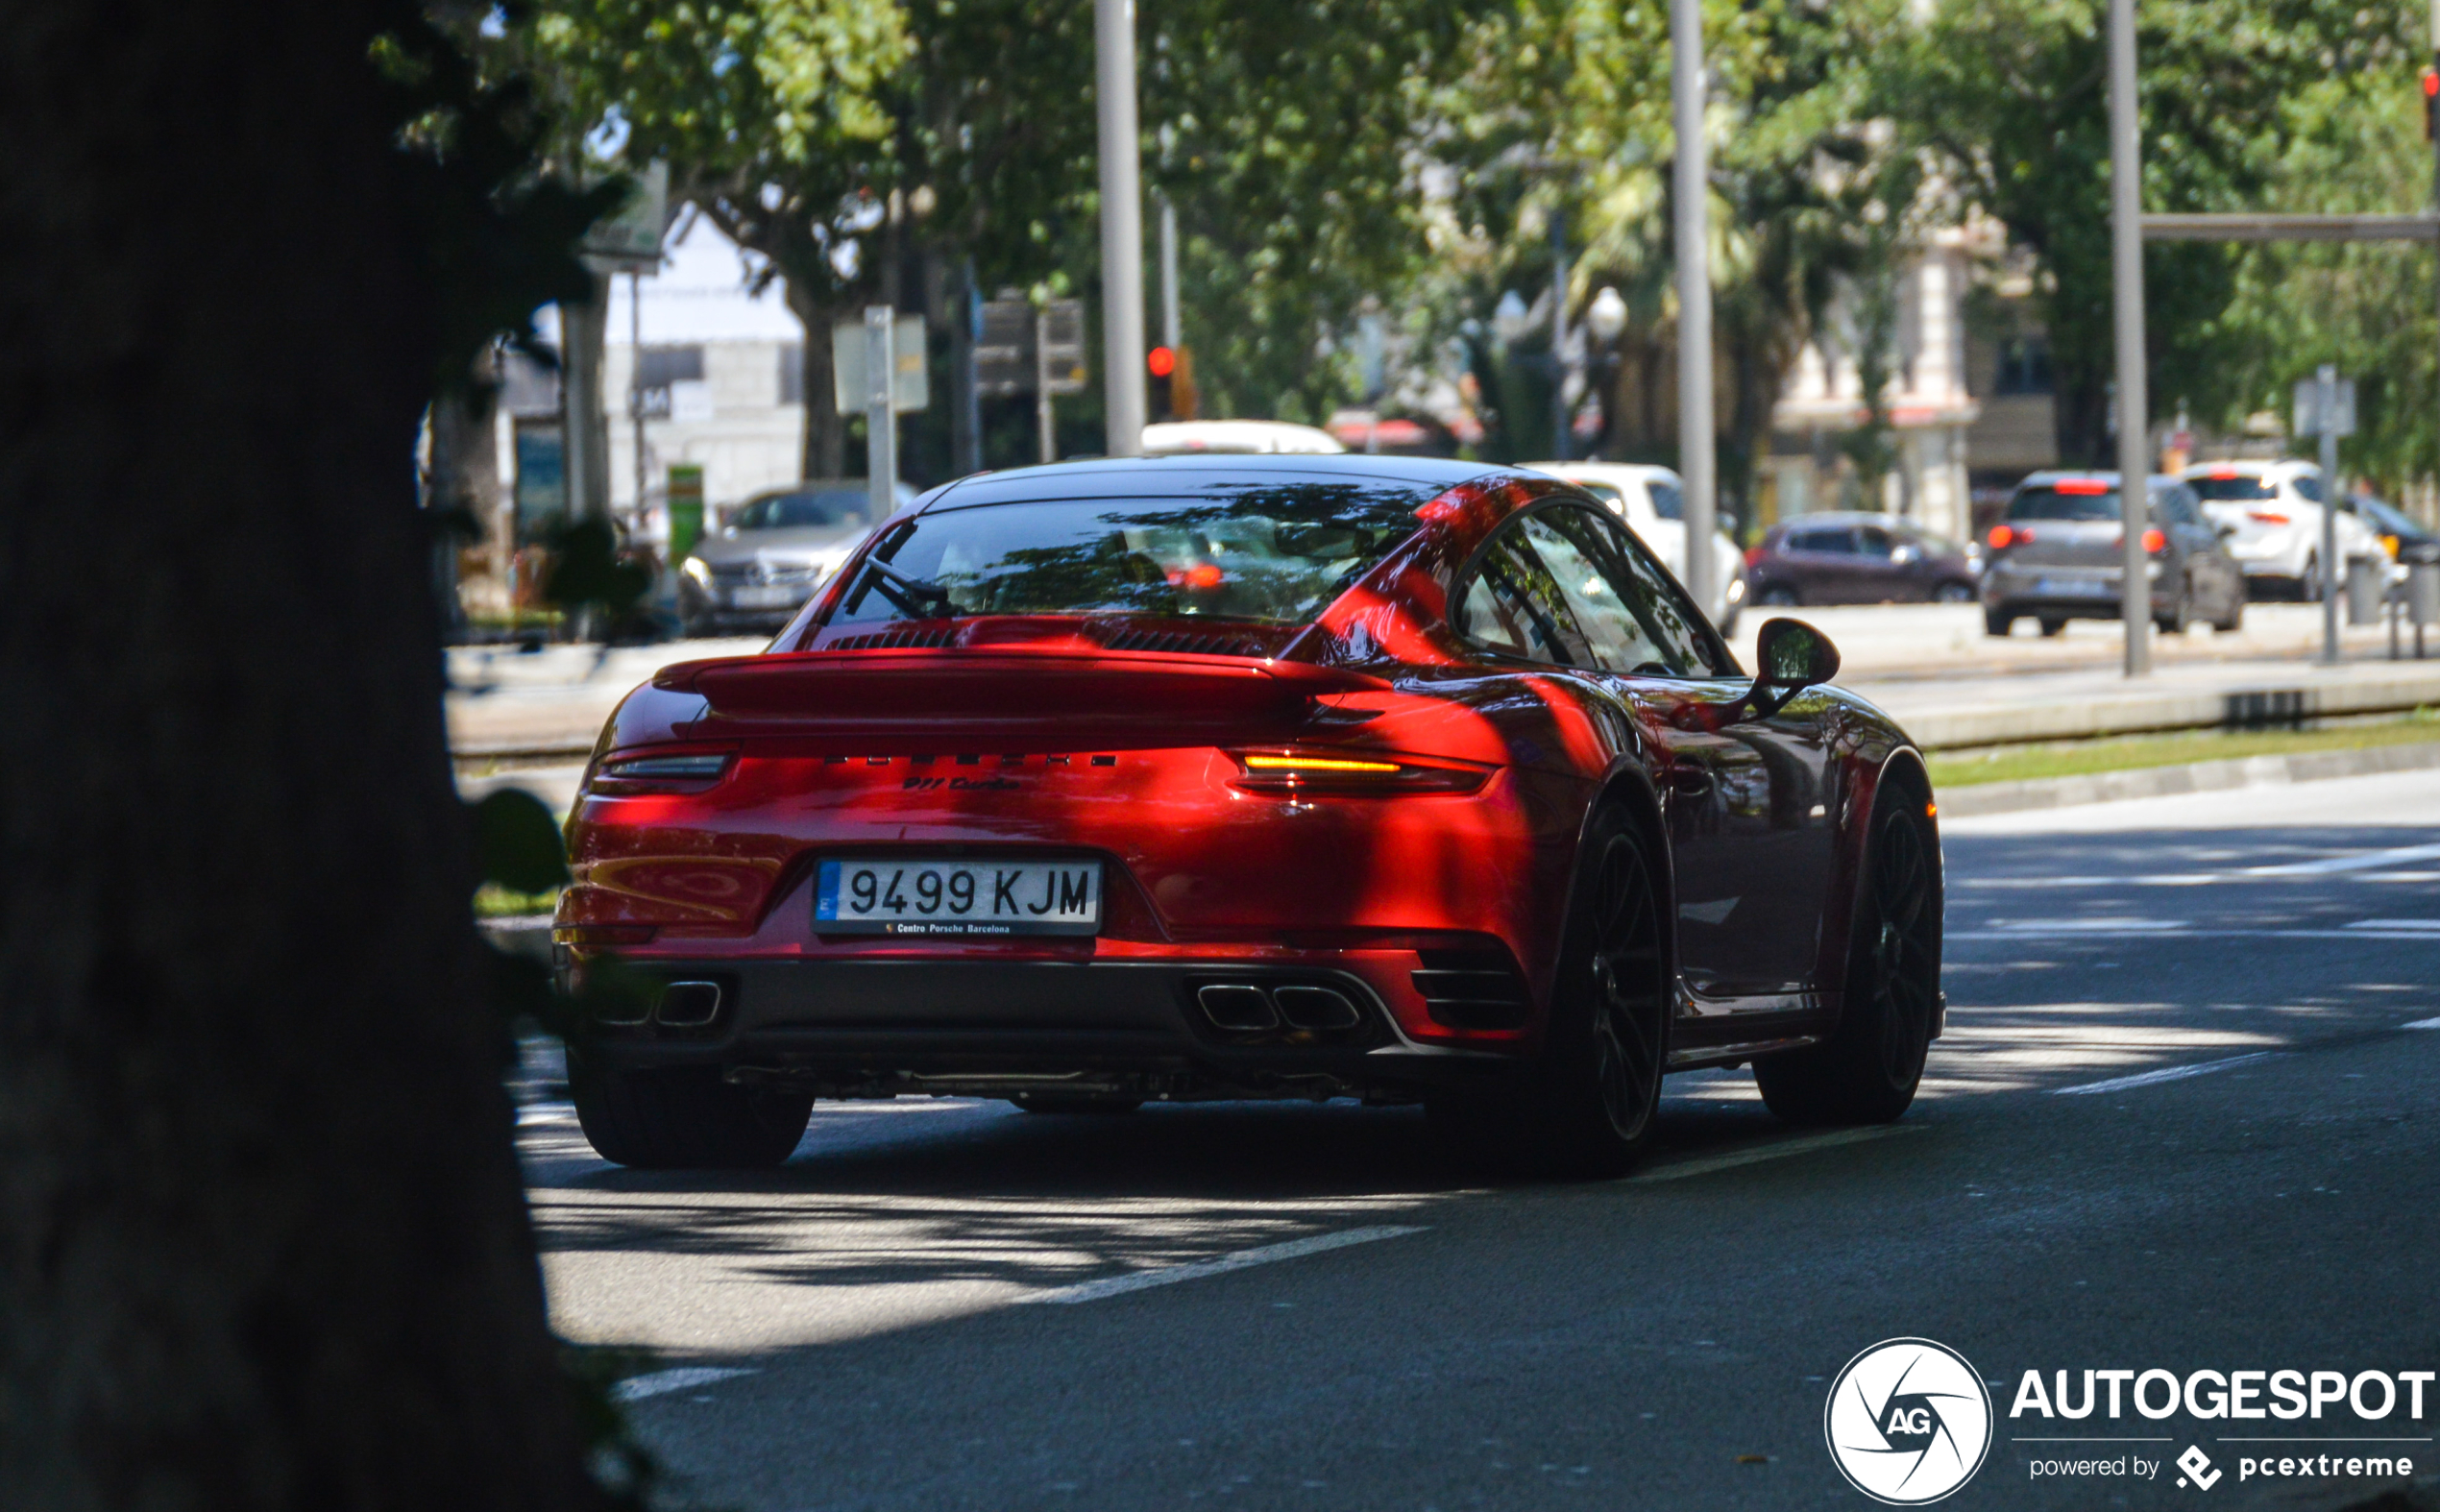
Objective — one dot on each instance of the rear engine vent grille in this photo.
(891, 640)
(1188, 642)
(1472, 988)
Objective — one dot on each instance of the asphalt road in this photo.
(2182, 1119)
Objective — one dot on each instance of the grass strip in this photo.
(2123, 752)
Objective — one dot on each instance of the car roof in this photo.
(1855, 517)
(2049, 476)
(2248, 466)
(1175, 477)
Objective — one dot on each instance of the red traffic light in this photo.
(1160, 361)
(2430, 83)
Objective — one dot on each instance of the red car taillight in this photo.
(2154, 543)
(1753, 556)
(2264, 517)
(2002, 537)
(1352, 773)
(661, 771)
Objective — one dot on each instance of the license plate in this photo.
(782, 596)
(896, 895)
(2067, 588)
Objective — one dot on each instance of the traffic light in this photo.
(2430, 104)
(1160, 366)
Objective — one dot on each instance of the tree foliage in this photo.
(2010, 97)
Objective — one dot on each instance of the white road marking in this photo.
(2169, 1073)
(2085, 926)
(2184, 931)
(1704, 1165)
(2423, 1023)
(2422, 925)
(1170, 1274)
(2361, 861)
(545, 1113)
(660, 1383)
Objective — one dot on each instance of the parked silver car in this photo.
(758, 568)
(2058, 556)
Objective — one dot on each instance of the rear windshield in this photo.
(1275, 555)
(2237, 490)
(1668, 500)
(2045, 503)
(811, 509)
(2386, 520)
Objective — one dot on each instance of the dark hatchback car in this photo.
(1857, 559)
(2058, 556)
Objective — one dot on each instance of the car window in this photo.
(810, 508)
(1668, 632)
(1516, 607)
(1668, 500)
(2231, 488)
(1571, 543)
(1871, 542)
(2073, 498)
(1611, 496)
(2307, 485)
(2177, 506)
(1277, 554)
(1823, 538)
(2387, 519)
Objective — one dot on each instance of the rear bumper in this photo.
(849, 1027)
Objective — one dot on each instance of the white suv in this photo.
(1651, 501)
(2271, 514)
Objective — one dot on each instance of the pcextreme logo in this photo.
(1908, 1422)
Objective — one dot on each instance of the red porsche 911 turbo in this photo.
(1103, 783)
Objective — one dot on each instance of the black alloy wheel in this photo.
(2053, 625)
(2181, 613)
(1585, 1107)
(1868, 1069)
(1953, 594)
(1779, 596)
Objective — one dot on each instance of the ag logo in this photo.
(1908, 1422)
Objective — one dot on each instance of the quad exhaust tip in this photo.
(1242, 1008)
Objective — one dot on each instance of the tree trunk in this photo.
(263, 1239)
(824, 452)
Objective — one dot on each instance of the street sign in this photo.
(2342, 413)
(628, 239)
(1005, 360)
(849, 389)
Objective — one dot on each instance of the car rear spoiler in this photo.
(1016, 699)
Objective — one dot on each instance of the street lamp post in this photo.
(1605, 319)
(2125, 272)
(1122, 227)
(1695, 460)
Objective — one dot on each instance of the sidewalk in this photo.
(1928, 665)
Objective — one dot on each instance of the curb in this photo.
(2202, 776)
(2384, 691)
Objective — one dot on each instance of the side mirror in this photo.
(1790, 656)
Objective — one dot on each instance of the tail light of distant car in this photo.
(2002, 537)
(2154, 543)
(2265, 517)
(1354, 774)
(1753, 556)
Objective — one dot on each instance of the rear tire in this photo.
(1953, 594)
(2308, 586)
(1866, 1071)
(1998, 623)
(2179, 617)
(1585, 1106)
(2234, 620)
(1779, 596)
(684, 1117)
(2052, 629)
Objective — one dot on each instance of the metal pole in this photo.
(635, 384)
(881, 410)
(583, 432)
(1170, 335)
(1045, 431)
(2125, 272)
(1695, 460)
(2325, 410)
(1558, 333)
(1122, 227)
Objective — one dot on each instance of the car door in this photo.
(2176, 514)
(1886, 566)
(1746, 804)
(1824, 562)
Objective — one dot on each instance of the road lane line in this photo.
(2423, 1023)
(660, 1383)
(2418, 925)
(1170, 1274)
(2169, 1073)
(2349, 932)
(1704, 1165)
(2360, 861)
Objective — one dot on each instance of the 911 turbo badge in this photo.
(1382, 779)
